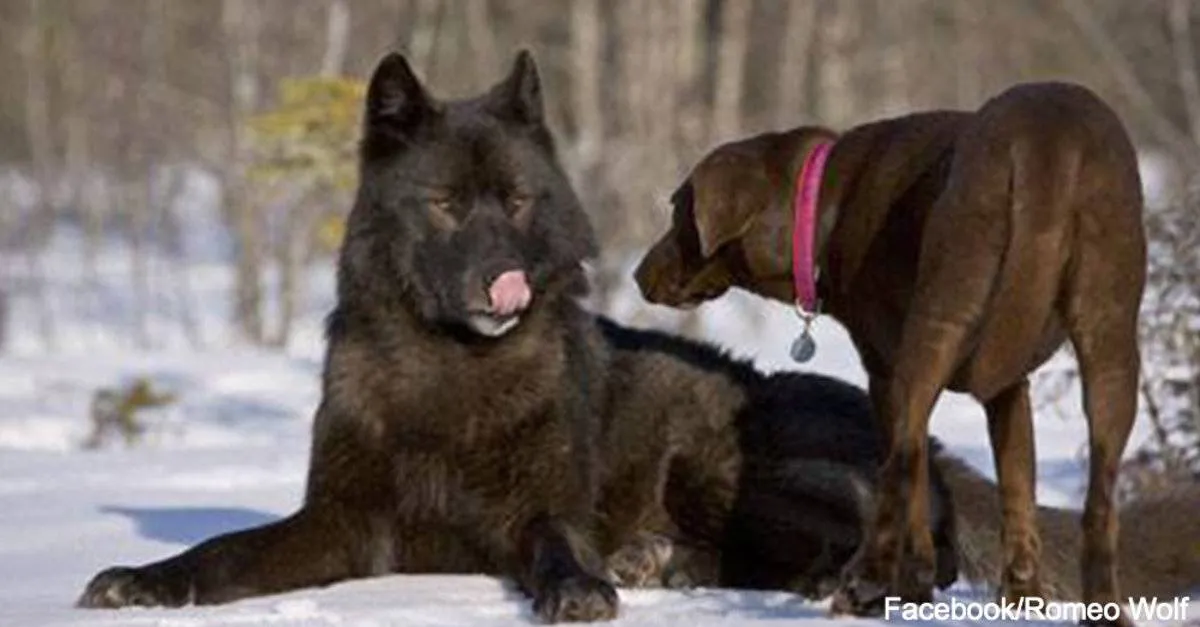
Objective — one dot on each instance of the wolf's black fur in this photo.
(809, 452)
(807, 456)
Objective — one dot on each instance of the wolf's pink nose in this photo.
(509, 293)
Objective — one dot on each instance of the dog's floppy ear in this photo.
(722, 212)
(396, 100)
(519, 96)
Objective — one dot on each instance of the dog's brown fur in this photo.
(960, 249)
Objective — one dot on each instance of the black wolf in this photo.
(461, 386)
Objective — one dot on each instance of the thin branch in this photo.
(798, 39)
(731, 58)
(1179, 17)
(1154, 412)
(337, 30)
(968, 80)
(1081, 13)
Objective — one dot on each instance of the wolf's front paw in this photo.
(581, 598)
(123, 586)
(642, 563)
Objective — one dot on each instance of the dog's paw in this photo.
(915, 581)
(1012, 590)
(581, 598)
(868, 581)
(861, 594)
(122, 586)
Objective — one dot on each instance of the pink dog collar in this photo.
(808, 187)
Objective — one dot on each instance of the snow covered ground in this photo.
(232, 453)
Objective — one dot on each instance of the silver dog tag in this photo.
(803, 347)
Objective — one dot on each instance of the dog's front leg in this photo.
(897, 556)
(554, 574)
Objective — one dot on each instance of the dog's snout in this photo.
(657, 276)
(643, 276)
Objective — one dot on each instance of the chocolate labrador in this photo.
(960, 250)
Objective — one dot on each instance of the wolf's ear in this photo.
(519, 96)
(395, 98)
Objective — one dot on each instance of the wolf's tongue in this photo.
(509, 293)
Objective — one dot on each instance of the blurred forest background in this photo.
(112, 110)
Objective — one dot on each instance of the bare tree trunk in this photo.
(1179, 17)
(288, 288)
(453, 65)
(893, 50)
(40, 223)
(482, 34)
(3, 319)
(291, 246)
(686, 115)
(660, 41)
(669, 25)
(169, 235)
(90, 202)
(423, 42)
(617, 179)
(136, 203)
(967, 68)
(796, 52)
(337, 37)
(632, 44)
(690, 125)
(730, 75)
(77, 147)
(1083, 15)
(838, 98)
(289, 260)
(141, 200)
(179, 268)
(587, 63)
(240, 22)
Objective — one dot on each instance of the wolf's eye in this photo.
(441, 212)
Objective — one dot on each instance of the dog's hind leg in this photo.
(1102, 300)
(1109, 368)
(1010, 429)
(898, 556)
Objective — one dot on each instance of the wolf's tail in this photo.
(1159, 547)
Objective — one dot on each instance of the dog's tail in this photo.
(1159, 546)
